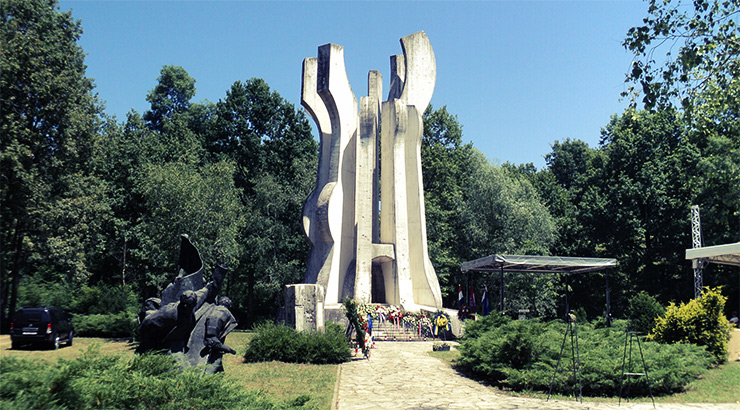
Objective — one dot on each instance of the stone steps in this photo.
(388, 332)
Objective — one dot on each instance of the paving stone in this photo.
(400, 375)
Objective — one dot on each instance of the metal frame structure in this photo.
(541, 265)
(728, 254)
(697, 242)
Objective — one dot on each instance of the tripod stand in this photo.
(575, 357)
(630, 335)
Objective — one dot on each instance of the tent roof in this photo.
(728, 254)
(538, 264)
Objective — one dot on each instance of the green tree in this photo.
(171, 96)
(474, 208)
(447, 167)
(646, 195)
(687, 55)
(630, 200)
(180, 199)
(503, 214)
(49, 120)
(564, 184)
(701, 44)
(275, 155)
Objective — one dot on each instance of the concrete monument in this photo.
(187, 322)
(365, 219)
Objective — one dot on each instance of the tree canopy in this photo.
(92, 202)
(701, 46)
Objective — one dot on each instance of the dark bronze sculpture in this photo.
(187, 323)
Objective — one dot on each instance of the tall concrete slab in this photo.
(367, 227)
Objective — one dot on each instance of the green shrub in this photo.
(104, 299)
(37, 292)
(285, 344)
(700, 322)
(642, 311)
(475, 328)
(98, 299)
(122, 324)
(522, 355)
(113, 382)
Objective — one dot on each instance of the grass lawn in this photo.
(718, 385)
(285, 381)
(79, 346)
(296, 383)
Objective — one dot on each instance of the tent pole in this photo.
(501, 291)
(608, 300)
(567, 307)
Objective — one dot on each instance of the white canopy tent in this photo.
(540, 264)
(728, 254)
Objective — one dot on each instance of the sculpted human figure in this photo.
(169, 327)
(151, 305)
(219, 323)
(189, 325)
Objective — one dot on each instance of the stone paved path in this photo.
(400, 375)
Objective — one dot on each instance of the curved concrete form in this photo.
(367, 228)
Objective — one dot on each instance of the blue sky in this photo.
(518, 75)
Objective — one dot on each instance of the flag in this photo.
(472, 300)
(484, 301)
(459, 296)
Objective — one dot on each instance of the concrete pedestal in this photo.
(304, 307)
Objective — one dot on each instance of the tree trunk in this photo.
(15, 274)
(3, 288)
(123, 264)
(250, 297)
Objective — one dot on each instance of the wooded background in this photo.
(92, 206)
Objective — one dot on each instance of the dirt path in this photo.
(734, 345)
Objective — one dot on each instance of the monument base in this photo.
(305, 310)
(304, 307)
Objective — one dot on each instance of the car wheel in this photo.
(55, 344)
(70, 337)
(14, 345)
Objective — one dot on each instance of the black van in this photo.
(41, 325)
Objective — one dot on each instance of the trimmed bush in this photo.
(104, 299)
(285, 344)
(700, 322)
(643, 309)
(522, 355)
(113, 382)
(120, 325)
(475, 328)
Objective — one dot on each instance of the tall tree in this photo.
(702, 47)
(172, 94)
(49, 118)
(630, 200)
(688, 56)
(647, 193)
(503, 214)
(180, 199)
(447, 167)
(164, 185)
(473, 208)
(275, 154)
(564, 184)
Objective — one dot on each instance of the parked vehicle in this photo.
(47, 326)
